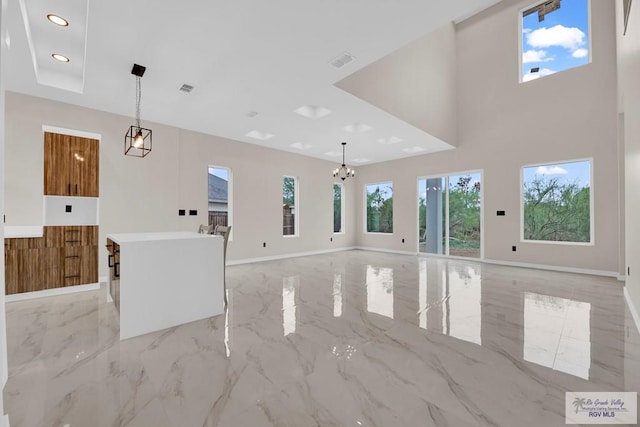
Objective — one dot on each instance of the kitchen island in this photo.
(160, 280)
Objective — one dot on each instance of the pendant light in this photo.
(137, 141)
(343, 171)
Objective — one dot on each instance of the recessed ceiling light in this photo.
(312, 111)
(186, 88)
(256, 134)
(252, 114)
(360, 160)
(301, 146)
(58, 20)
(414, 149)
(357, 128)
(333, 153)
(390, 140)
(59, 57)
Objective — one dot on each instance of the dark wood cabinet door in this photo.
(70, 165)
(84, 170)
(53, 268)
(57, 164)
(89, 264)
(11, 274)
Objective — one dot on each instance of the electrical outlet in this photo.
(500, 213)
(402, 240)
(67, 208)
(264, 244)
(331, 239)
(513, 248)
(193, 212)
(182, 212)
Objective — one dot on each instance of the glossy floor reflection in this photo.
(347, 339)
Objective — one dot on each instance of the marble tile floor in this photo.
(354, 338)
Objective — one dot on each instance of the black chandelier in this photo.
(137, 141)
(343, 171)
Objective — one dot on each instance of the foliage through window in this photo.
(338, 207)
(289, 220)
(380, 208)
(557, 202)
(449, 215)
(555, 37)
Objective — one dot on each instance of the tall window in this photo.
(557, 202)
(219, 196)
(380, 208)
(338, 208)
(555, 37)
(449, 215)
(289, 202)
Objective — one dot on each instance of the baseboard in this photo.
(632, 309)
(4, 421)
(103, 279)
(284, 256)
(553, 268)
(52, 292)
(622, 277)
(388, 251)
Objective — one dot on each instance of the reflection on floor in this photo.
(354, 338)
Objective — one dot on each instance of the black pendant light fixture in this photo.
(137, 141)
(343, 171)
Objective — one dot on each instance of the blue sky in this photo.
(558, 43)
(220, 172)
(574, 172)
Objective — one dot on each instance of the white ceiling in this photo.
(271, 57)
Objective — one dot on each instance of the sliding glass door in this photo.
(449, 215)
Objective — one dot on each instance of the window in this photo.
(449, 215)
(557, 202)
(338, 208)
(380, 208)
(289, 199)
(555, 37)
(219, 196)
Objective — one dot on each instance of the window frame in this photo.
(520, 40)
(296, 203)
(229, 197)
(365, 193)
(342, 207)
(591, 241)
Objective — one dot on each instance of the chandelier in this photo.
(137, 141)
(343, 171)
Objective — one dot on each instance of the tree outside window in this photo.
(380, 208)
(557, 202)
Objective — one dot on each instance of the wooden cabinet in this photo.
(64, 256)
(70, 165)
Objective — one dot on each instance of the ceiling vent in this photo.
(341, 60)
(186, 88)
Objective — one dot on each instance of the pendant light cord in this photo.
(138, 96)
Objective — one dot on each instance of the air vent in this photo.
(186, 88)
(341, 60)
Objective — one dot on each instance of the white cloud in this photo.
(535, 56)
(542, 73)
(551, 170)
(526, 30)
(580, 53)
(559, 35)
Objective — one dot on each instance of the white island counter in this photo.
(160, 280)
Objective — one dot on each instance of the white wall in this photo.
(139, 195)
(503, 125)
(416, 83)
(629, 93)
(4, 370)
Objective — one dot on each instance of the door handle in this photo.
(69, 189)
(110, 261)
(76, 189)
(116, 269)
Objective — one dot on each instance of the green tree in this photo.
(556, 211)
(464, 213)
(337, 208)
(379, 210)
(289, 191)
